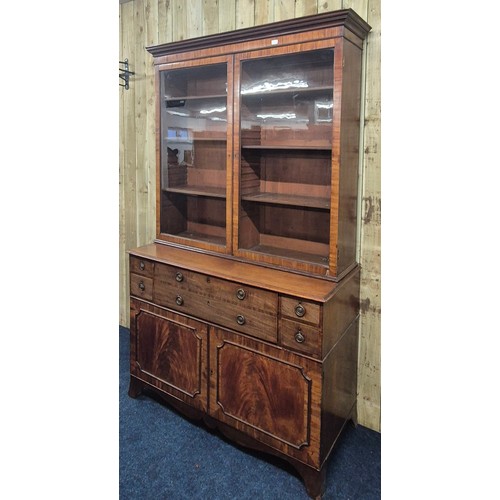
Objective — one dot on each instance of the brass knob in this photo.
(142, 286)
(142, 266)
(240, 319)
(240, 293)
(179, 300)
(300, 310)
(299, 337)
(179, 277)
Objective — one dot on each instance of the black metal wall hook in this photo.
(125, 74)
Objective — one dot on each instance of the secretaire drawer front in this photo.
(302, 310)
(300, 337)
(227, 292)
(246, 297)
(141, 286)
(239, 318)
(236, 306)
(140, 266)
(177, 278)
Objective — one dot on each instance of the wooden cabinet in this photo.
(244, 310)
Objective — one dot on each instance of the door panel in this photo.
(169, 351)
(270, 394)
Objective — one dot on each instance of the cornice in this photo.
(347, 18)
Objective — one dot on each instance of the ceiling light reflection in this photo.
(268, 86)
(280, 116)
(213, 110)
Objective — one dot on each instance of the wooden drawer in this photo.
(228, 292)
(240, 307)
(141, 266)
(300, 337)
(141, 286)
(302, 310)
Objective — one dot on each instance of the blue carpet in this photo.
(165, 456)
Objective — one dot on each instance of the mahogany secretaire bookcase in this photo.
(244, 310)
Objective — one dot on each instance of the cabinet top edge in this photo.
(282, 281)
(346, 17)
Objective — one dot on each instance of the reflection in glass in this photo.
(286, 118)
(193, 153)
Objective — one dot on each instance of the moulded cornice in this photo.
(347, 18)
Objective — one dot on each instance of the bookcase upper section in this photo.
(258, 143)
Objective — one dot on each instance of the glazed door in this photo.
(169, 351)
(266, 392)
(285, 118)
(195, 147)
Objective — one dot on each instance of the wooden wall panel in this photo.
(306, 8)
(164, 21)
(369, 356)
(329, 5)
(245, 13)
(148, 22)
(210, 17)
(227, 15)
(127, 198)
(284, 9)
(264, 11)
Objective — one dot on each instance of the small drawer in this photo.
(301, 310)
(141, 266)
(141, 286)
(300, 337)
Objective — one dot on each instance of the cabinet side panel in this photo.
(339, 388)
(349, 157)
(340, 311)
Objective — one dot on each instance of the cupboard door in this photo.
(270, 394)
(286, 136)
(169, 351)
(195, 151)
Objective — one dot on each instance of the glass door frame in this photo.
(276, 260)
(162, 237)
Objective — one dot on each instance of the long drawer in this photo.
(233, 305)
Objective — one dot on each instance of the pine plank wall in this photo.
(150, 22)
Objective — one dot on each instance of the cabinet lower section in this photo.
(261, 395)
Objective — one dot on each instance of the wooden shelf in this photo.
(196, 97)
(198, 236)
(210, 191)
(287, 199)
(325, 147)
(195, 139)
(289, 253)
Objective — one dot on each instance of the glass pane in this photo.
(193, 152)
(287, 101)
(286, 131)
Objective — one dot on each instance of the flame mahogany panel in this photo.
(169, 351)
(271, 394)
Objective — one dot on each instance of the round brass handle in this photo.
(300, 310)
(142, 266)
(240, 293)
(240, 319)
(179, 277)
(142, 286)
(179, 300)
(299, 337)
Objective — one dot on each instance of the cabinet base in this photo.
(314, 480)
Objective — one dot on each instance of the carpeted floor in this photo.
(165, 456)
